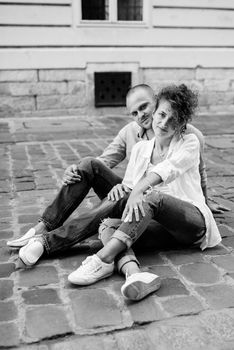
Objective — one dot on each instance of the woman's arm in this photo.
(134, 203)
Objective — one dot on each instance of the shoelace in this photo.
(89, 264)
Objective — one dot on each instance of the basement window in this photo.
(111, 88)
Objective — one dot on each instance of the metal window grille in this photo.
(130, 10)
(95, 9)
(111, 88)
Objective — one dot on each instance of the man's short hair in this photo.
(138, 87)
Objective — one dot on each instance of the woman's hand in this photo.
(117, 192)
(71, 175)
(134, 206)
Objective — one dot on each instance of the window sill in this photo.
(119, 24)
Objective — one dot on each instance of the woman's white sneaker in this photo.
(139, 285)
(92, 270)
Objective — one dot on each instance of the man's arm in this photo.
(121, 146)
(115, 152)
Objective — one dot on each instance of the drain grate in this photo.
(111, 88)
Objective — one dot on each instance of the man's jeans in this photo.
(173, 221)
(94, 175)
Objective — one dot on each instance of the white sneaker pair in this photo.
(136, 287)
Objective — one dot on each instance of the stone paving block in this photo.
(38, 276)
(115, 281)
(5, 254)
(218, 296)
(181, 333)
(200, 273)
(6, 289)
(5, 186)
(228, 242)
(185, 256)
(9, 335)
(46, 322)
(74, 260)
(103, 309)
(225, 231)
(6, 234)
(34, 347)
(162, 271)
(8, 311)
(95, 342)
(182, 305)
(231, 275)
(6, 269)
(132, 340)
(145, 311)
(171, 286)
(150, 259)
(225, 262)
(41, 296)
(24, 219)
(24, 186)
(221, 323)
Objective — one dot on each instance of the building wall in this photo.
(48, 56)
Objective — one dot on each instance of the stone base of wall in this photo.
(61, 92)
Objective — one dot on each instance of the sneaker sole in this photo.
(139, 290)
(18, 244)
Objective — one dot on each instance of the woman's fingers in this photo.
(116, 193)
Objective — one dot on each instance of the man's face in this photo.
(141, 106)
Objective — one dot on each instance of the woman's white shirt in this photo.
(180, 176)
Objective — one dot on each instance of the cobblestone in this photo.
(6, 289)
(41, 296)
(8, 311)
(40, 310)
(46, 322)
(103, 311)
(200, 273)
(218, 296)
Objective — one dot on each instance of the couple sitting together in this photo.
(161, 200)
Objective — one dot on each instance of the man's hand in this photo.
(216, 208)
(71, 175)
(117, 192)
(134, 206)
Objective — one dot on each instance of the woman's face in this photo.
(164, 125)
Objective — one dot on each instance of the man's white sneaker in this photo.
(92, 270)
(31, 252)
(139, 285)
(23, 240)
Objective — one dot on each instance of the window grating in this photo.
(130, 10)
(111, 88)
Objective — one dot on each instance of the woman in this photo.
(164, 183)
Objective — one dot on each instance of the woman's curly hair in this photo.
(183, 102)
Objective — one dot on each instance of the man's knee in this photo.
(107, 228)
(87, 161)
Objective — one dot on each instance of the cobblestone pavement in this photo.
(39, 309)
